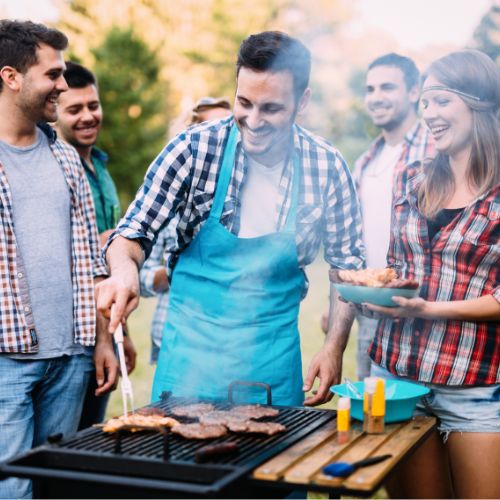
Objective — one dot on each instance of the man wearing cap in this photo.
(256, 195)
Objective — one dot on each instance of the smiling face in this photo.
(42, 85)
(448, 118)
(387, 100)
(80, 116)
(265, 109)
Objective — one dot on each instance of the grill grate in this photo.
(141, 459)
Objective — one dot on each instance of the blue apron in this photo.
(233, 309)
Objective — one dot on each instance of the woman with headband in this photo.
(446, 235)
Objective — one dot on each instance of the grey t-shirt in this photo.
(41, 214)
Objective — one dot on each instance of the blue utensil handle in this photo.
(371, 461)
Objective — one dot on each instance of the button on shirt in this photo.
(16, 322)
(460, 263)
(183, 177)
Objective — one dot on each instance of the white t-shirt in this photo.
(258, 199)
(376, 202)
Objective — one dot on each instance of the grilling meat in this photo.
(215, 450)
(134, 422)
(253, 427)
(254, 411)
(199, 431)
(192, 411)
(220, 418)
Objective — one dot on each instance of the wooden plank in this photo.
(368, 478)
(274, 469)
(398, 444)
(362, 448)
(305, 469)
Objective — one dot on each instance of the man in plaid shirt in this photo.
(391, 100)
(255, 196)
(49, 255)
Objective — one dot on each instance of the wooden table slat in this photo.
(368, 478)
(305, 469)
(402, 437)
(274, 469)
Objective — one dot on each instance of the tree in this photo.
(487, 34)
(133, 100)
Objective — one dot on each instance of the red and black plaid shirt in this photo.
(461, 263)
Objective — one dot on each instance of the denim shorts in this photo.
(457, 408)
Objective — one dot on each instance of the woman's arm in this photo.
(486, 308)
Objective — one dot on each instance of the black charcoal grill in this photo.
(154, 464)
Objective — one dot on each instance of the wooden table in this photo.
(301, 464)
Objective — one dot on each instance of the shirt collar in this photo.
(48, 131)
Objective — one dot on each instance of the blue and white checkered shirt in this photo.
(181, 183)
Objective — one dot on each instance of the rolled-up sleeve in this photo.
(165, 186)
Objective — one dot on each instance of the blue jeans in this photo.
(38, 398)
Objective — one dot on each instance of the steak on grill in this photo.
(199, 431)
(253, 427)
(220, 417)
(254, 411)
(192, 411)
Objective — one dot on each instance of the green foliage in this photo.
(486, 35)
(133, 101)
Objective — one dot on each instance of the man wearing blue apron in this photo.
(255, 196)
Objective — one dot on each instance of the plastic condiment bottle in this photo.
(378, 409)
(343, 420)
(370, 384)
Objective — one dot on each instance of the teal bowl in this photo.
(401, 398)
(373, 295)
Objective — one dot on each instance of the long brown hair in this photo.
(472, 74)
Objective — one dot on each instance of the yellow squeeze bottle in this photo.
(378, 408)
(343, 420)
(369, 393)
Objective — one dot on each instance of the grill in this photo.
(160, 461)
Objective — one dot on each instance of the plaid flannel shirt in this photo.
(17, 326)
(418, 145)
(181, 182)
(462, 262)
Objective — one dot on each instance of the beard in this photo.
(36, 106)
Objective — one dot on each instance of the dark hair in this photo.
(405, 64)
(477, 78)
(276, 51)
(19, 41)
(78, 76)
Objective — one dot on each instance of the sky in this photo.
(414, 23)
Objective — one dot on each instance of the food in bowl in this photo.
(376, 278)
(373, 286)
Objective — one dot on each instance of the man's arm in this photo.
(121, 290)
(106, 364)
(327, 363)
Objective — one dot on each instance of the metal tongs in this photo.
(125, 384)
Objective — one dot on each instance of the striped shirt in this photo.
(17, 326)
(181, 182)
(462, 262)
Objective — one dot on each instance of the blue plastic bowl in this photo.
(401, 398)
(373, 295)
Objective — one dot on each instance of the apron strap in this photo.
(225, 174)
